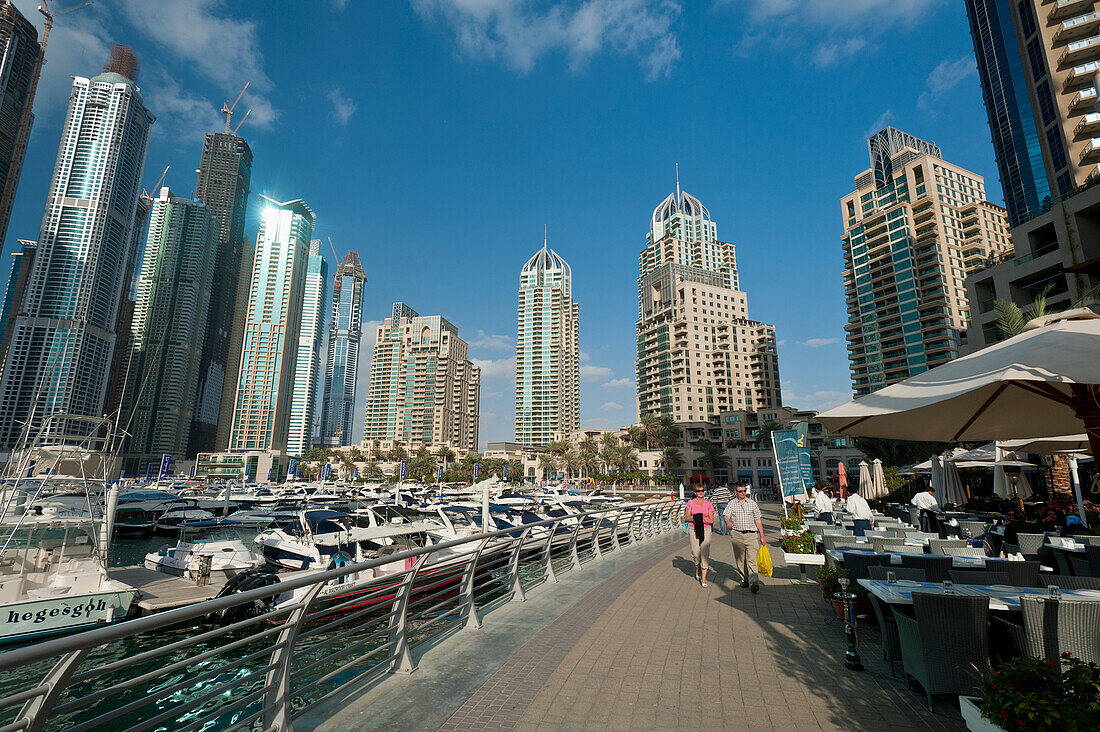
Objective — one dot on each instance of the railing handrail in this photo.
(91, 638)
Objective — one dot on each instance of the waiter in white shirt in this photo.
(824, 505)
(860, 511)
(927, 503)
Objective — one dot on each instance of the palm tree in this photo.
(547, 462)
(608, 439)
(572, 463)
(671, 458)
(607, 456)
(588, 444)
(714, 455)
(445, 453)
(635, 435)
(397, 454)
(626, 458)
(1011, 318)
(590, 461)
(764, 434)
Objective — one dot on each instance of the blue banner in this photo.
(805, 463)
(193, 467)
(476, 466)
(246, 470)
(325, 470)
(403, 466)
(506, 472)
(290, 468)
(788, 462)
(165, 461)
(440, 479)
(357, 474)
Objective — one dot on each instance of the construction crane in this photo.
(227, 110)
(145, 194)
(44, 8)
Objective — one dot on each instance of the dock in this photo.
(158, 591)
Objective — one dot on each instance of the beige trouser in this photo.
(745, 549)
(700, 552)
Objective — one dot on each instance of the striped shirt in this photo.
(721, 495)
(744, 514)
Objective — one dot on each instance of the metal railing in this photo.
(266, 664)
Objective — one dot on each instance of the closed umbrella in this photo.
(1045, 378)
(952, 484)
(842, 480)
(937, 480)
(878, 481)
(864, 478)
(1000, 480)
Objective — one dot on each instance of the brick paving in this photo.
(652, 650)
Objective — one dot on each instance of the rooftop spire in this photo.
(677, 184)
(544, 236)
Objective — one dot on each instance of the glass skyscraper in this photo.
(338, 404)
(63, 343)
(20, 61)
(548, 357)
(307, 372)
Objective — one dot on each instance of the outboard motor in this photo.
(250, 580)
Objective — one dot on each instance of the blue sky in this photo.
(437, 137)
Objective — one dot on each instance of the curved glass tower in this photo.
(338, 404)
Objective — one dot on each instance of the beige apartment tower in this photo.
(914, 228)
(699, 353)
(424, 390)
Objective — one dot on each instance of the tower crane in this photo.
(227, 110)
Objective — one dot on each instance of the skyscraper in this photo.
(307, 373)
(338, 405)
(698, 352)
(21, 264)
(913, 228)
(224, 177)
(62, 348)
(169, 322)
(424, 390)
(271, 330)
(19, 65)
(547, 351)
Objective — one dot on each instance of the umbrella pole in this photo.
(1076, 480)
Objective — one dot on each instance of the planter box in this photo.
(802, 560)
(972, 714)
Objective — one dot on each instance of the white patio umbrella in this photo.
(864, 479)
(952, 484)
(1000, 480)
(937, 479)
(1044, 381)
(878, 481)
(1066, 444)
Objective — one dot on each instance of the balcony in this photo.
(1091, 151)
(1089, 123)
(1065, 8)
(1084, 99)
(1078, 27)
(1085, 49)
(1080, 74)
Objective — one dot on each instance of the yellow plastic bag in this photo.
(764, 562)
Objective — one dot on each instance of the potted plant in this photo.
(790, 526)
(829, 580)
(1036, 694)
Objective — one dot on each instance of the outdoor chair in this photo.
(888, 545)
(964, 551)
(874, 534)
(834, 542)
(893, 533)
(936, 568)
(937, 546)
(1080, 567)
(1020, 574)
(901, 573)
(978, 577)
(1029, 543)
(1061, 562)
(944, 641)
(857, 564)
(888, 628)
(1053, 627)
(1092, 554)
(1069, 582)
(972, 529)
(1093, 540)
(1009, 549)
(914, 516)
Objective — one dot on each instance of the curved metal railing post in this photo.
(277, 684)
(35, 713)
(574, 555)
(473, 622)
(400, 658)
(548, 571)
(513, 568)
(630, 526)
(596, 552)
(615, 531)
(662, 521)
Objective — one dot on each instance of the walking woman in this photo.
(700, 513)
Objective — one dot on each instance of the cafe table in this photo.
(1001, 597)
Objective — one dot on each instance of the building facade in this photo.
(63, 342)
(167, 331)
(271, 328)
(22, 261)
(20, 63)
(698, 351)
(914, 228)
(345, 332)
(1038, 65)
(548, 356)
(424, 390)
(307, 373)
(225, 173)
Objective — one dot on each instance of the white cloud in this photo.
(520, 32)
(496, 369)
(819, 342)
(829, 53)
(594, 373)
(492, 341)
(611, 407)
(180, 114)
(342, 107)
(618, 383)
(585, 357)
(947, 75)
(883, 120)
(202, 35)
(818, 399)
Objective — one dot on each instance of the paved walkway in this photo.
(635, 643)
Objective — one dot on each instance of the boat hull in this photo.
(28, 619)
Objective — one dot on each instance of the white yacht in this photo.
(222, 555)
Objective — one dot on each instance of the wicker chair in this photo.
(1070, 582)
(832, 542)
(895, 533)
(936, 568)
(1093, 540)
(857, 563)
(978, 577)
(1009, 549)
(901, 573)
(1080, 567)
(964, 551)
(888, 545)
(945, 639)
(1092, 554)
(937, 546)
(972, 529)
(1052, 627)
(1020, 574)
(1029, 543)
(1061, 562)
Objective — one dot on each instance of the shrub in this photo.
(1036, 694)
(791, 522)
(798, 543)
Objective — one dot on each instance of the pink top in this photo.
(703, 506)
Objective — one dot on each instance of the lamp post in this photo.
(851, 655)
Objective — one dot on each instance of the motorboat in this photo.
(183, 517)
(223, 555)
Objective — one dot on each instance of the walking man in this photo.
(746, 529)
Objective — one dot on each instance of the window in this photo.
(1046, 102)
(1057, 150)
